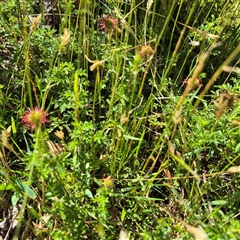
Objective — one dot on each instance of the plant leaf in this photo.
(88, 193)
(234, 169)
(131, 138)
(26, 189)
(198, 233)
(123, 235)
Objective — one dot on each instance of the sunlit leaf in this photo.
(123, 235)
(234, 169)
(88, 193)
(123, 214)
(219, 202)
(198, 233)
(132, 138)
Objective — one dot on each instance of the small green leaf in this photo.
(26, 189)
(14, 199)
(237, 148)
(219, 202)
(4, 187)
(123, 214)
(132, 138)
(33, 212)
(14, 130)
(88, 193)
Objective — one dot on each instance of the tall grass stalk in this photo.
(128, 132)
(31, 165)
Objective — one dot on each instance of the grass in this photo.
(119, 120)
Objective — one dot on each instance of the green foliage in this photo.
(143, 118)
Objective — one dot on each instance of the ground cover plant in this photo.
(119, 119)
